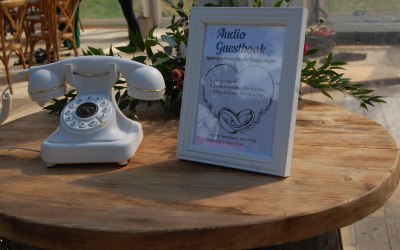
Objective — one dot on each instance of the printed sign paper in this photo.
(240, 78)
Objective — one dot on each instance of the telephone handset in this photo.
(92, 128)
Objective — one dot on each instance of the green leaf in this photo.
(312, 51)
(123, 104)
(151, 32)
(150, 43)
(140, 59)
(94, 51)
(377, 99)
(117, 96)
(363, 106)
(278, 3)
(362, 91)
(257, 3)
(328, 60)
(182, 14)
(127, 49)
(341, 68)
(149, 51)
(180, 4)
(171, 42)
(133, 104)
(116, 87)
(157, 56)
(211, 5)
(338, 63)
(161, 61)
(110, 51)
(172, 21)
(137, 40)
(368, 103)
(336, 78)
(326, 94)
(309, 65)
(168, 50)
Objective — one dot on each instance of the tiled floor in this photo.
(380, 70)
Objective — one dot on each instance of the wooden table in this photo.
(345, 167)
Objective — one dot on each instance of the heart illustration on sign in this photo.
(237, 99)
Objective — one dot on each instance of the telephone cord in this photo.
(6, 109)
(7, 98)
(6, 105)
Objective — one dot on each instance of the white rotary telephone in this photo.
(92, 128)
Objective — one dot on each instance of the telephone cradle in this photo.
(92, 127)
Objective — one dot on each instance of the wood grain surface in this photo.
(344, 167)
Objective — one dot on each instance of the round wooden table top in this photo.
(344, 167)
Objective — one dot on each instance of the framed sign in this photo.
(241, 87)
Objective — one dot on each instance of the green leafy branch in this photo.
(325, 79)
(168, 53)
(57, 105)
(279, 3)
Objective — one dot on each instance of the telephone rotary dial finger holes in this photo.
(87, 113)
(87, 109)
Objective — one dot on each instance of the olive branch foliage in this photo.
(325, 78)
(168, 52)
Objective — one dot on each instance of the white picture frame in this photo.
(241, 87)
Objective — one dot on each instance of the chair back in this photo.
(66, 21)
(41, 26)
(12, 15)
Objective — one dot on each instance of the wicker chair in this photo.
(66, 19)
(12, 14)
(39, 27)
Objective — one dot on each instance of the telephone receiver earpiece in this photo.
(44, 85)
(145, 84)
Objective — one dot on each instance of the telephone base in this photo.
(120, 150)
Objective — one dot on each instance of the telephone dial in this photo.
(92, 128)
